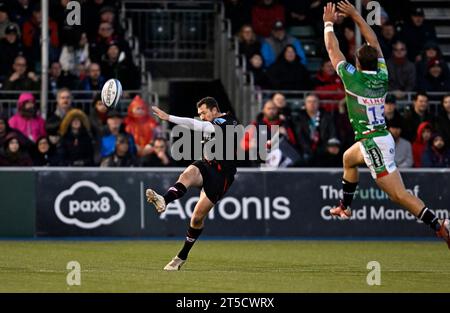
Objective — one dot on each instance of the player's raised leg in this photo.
(393, 185)
(351, 159)
(191, 177)
(201, 210)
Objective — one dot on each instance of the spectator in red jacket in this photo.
(32, 36)
(264, 16)
(328, 80)
(420, 144)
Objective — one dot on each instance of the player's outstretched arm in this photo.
(331, 42)
(347, 9)
(190, 123)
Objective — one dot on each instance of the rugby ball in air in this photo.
(111, 93)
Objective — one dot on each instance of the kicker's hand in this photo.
(347, 9)
(160, 113)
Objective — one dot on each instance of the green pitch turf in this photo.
(225, 266)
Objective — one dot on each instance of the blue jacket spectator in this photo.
(275, 44)
(115, 127)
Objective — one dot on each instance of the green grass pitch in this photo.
(224, 266)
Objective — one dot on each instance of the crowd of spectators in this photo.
(70, 137)
(320, 137)
(408, 41)
(82, 56)
(320, 128)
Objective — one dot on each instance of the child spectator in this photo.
(420, 144)
(141, 125)
(331, 156)
(14, 153)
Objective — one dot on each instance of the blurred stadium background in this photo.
(170, 54)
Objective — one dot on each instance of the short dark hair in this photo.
(418, 94)
(367, 57)
(210, 103)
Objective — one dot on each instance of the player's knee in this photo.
(346, 159)
(197, 220)
(398, 195)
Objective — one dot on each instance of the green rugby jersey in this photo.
(365, 96)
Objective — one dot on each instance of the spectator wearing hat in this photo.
(403, 148)
(288, 73)
(122, 157)
(417, 114)
(10, 47)
(264, 15)
(32, 36)
(76, 140)
(74, 56)
(430, 52)
(443, 120)
(4, 20)
(331, 156)
(94, 80)
(435, 79)
(402, 72)
(437, 154)
(273, 46)
(116, 64)
(14, 153)
(114, 127)
(27, 119)
(391, 113)
(423, 136)
(416, 32)
(21, 78)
